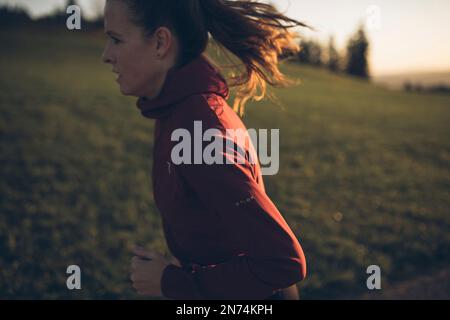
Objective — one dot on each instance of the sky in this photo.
(405, 35)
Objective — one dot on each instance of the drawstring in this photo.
(195, 267)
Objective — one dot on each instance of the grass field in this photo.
(364, 176)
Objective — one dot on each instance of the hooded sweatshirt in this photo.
(218, 221)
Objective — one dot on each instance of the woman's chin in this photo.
(126, 91)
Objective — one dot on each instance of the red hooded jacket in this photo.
(218, 221)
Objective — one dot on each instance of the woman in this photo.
(229, 238)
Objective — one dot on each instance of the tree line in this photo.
(354, 61)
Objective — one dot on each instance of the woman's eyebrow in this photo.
(112, 33)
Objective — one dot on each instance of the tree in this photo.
(304, 54)
(58, 15)
(311, 53)
(357, 51)
(408, 86)
(316, 54)
(63, 9)
(13, 16)
(333, 56)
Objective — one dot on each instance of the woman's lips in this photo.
(118, 75)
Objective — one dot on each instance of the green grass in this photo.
(364, 176)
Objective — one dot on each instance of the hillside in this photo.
(364, 176)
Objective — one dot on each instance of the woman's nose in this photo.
(106, 58)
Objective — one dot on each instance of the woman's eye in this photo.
(115, 40)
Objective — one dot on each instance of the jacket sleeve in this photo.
(271, 257)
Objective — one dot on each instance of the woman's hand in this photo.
(147, 268)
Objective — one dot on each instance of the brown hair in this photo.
(256, 33)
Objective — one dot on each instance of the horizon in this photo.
(394, 48)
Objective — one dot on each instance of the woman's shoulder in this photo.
(211, 109)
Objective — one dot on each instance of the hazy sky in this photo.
(412, 35)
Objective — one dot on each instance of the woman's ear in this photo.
(164, 41)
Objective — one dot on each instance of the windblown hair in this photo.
(254, 32)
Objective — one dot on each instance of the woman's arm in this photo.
(272, 257)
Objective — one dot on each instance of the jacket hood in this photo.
(197, 77)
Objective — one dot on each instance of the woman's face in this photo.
(140, 62)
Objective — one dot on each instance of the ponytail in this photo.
(257, 34)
